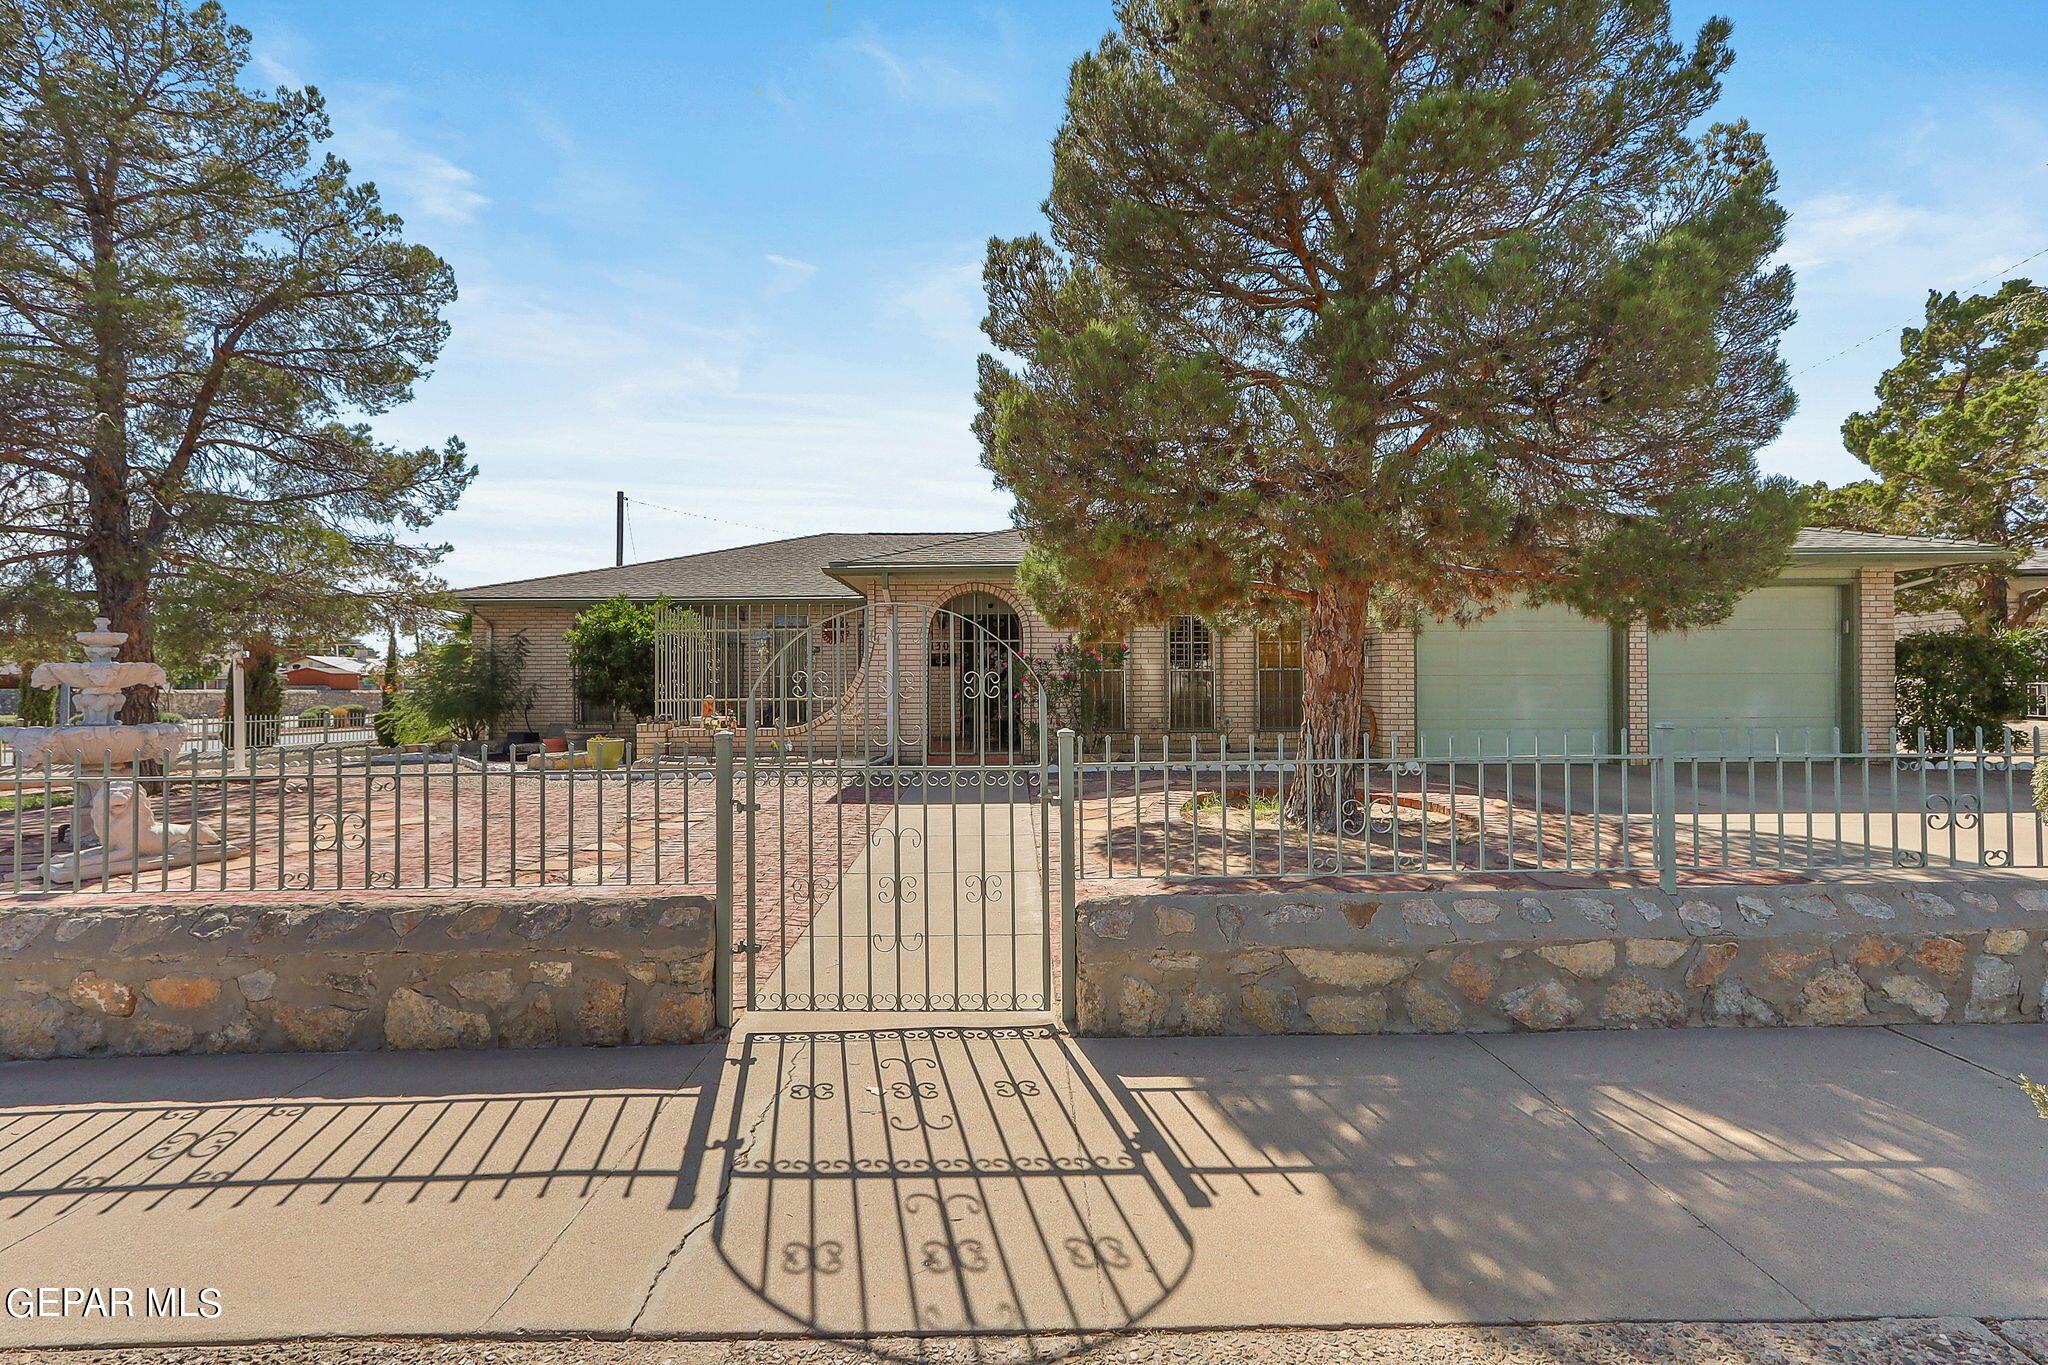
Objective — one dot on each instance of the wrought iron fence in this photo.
(1709, 801)
(331, 816)
(356, 816)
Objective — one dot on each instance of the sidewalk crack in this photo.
(725, 1188)
(1644, 1175)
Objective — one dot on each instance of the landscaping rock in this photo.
(1353, 971)
(1835, 995)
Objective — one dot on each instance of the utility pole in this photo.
(619, 535)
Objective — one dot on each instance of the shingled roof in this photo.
(804, 568)
(776, 570)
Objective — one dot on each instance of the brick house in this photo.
(1801, 659)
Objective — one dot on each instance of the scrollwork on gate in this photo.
(349, 830)
(1964, 812)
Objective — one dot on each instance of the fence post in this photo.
(1070, 936)
(238, 713)
(722, 942)
(1664, 806)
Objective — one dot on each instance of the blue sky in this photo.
(726, 257)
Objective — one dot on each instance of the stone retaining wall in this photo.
(1321, 962)
(207, 974)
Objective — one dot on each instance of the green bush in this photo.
(1963, 682)
(38, 705)
(405, 721)
(611, 653)
(262, 689)
(464, 690)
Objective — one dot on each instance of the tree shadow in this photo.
(1664, 1175)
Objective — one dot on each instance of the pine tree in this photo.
(1959, 443)
(1372, 310)
(196, 312)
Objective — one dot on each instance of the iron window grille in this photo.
(1190, 674)
(1279, 675)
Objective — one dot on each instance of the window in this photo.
(773, 660)
(1102, 665)
(1190, 675)
(1280, 676)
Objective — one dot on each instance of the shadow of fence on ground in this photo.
(902, 1182)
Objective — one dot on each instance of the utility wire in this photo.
(1887, 331)
(772, 530)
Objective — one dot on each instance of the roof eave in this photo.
(1902, 557)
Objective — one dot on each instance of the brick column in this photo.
(1635, 686)
(1876, 681)
(1145, 702)
(1237, 682)
(1390, 673)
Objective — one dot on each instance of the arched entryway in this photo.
(974, 658)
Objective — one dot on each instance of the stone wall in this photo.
(204, 974)
(1323, 962)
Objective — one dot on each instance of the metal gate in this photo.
(888, 834)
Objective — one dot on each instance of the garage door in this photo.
(1769, 678)
(1524, 676)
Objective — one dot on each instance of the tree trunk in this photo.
(124, 601)
(1337, 722)
(1997, 604)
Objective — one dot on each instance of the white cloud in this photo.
(419, 182)
(370, 134)
(585, 185)
(946, 302)
(567, 394)
(790, 274)
(925, 77)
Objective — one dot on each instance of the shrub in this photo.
(1962, 682)
(405, 722)
(611, 654)
(464, 690)
(1071, 678)
(262, 689)
(38, 705)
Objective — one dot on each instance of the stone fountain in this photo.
(117, 829)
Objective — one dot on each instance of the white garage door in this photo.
(1767, 679)
(1524, 677)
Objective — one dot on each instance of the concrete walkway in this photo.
(892, 1174)
(943, 907)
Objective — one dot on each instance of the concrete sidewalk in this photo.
(891, 1174)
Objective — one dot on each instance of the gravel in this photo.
(1891, 1341)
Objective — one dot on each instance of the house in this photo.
(1800, 658)
(337, 672)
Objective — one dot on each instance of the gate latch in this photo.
(745, 946)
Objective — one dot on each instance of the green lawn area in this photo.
(34, 800)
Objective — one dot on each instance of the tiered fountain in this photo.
(117, 830)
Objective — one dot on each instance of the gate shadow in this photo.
(905, 1182)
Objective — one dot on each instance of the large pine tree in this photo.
(1959, 443)
(1378, 309)
(197, 311)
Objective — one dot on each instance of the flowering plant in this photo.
(1083, 684)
